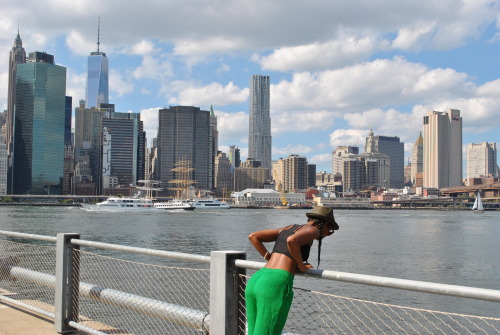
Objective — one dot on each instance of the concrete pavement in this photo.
(15, 321)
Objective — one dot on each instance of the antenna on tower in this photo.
(98, 32)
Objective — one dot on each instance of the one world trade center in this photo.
(97, 78)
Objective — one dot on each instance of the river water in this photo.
(449, 247)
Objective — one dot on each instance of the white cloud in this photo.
(353, 90)
(343, 51)
(75, 85)
(352, 137)
(78, 44)
(321, 159)
(149, 117)
(414, 38)
(143, 48)
(301, 121)
(212, 94)
(158, 68)
(118, 84)
(232, 127)
(298, 149)
(223, 68)
(207, 46)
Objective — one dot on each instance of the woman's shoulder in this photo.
(306, 228)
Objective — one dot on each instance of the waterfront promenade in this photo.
(132, 280)
(14, 321)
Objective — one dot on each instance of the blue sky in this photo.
(337, 68)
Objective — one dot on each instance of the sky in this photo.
(337, 68)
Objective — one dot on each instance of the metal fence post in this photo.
(67, 282)
(225, 293)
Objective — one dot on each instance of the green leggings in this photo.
(268, 298)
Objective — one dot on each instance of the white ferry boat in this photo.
(209, 203)
(174, 204)
(121, 204)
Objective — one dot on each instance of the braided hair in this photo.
(321, 225)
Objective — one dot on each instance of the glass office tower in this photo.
(97, 80)
(39, 126)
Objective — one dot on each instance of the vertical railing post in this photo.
(67, 282)
(225, 293)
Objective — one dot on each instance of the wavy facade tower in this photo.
(97, 78)
(259, 136)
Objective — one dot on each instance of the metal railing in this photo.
(102, 294)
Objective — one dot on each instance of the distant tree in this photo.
(6, 199)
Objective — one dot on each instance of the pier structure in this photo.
(90, 287)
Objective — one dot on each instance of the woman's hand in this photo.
(304, 267)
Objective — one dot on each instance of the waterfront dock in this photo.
(15, 321)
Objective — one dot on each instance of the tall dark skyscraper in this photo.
(392, 147)
(214, 147)
(17, 56)
(67, 117)
(259, 135)
(126, 152)
(97, 78)
(184, 135)
(39, 126)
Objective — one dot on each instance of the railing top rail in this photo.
(403, 284)
(143, 251)
(29, 236)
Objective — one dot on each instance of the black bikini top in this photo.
(281, 247)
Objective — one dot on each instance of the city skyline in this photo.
(329, 85)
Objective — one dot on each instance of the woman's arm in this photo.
(303, 236)
(259, 237)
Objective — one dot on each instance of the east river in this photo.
(448, 247)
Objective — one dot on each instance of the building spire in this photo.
(17, 41)
(98, 32)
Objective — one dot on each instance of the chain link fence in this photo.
(41, 260)
(158, 299)
(321, 313)
(117, 296)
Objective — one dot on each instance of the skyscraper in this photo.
(442, 149)
(88, 134)
(392, 147)
(234, 156)
(97, 78)
(340, 154)
(250, 174)
(360, 172)
(259, 135)
(184, 136)
(417, 162)
(39, 126)
(224, 178)
(125, 154)
(295, 176)
(214, 147)
(152, 166)
(17, 56)
(481, 160)
(3, 163)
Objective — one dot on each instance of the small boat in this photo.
(122, 204)
(209, 203)
(174, 204)
(478, 204)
